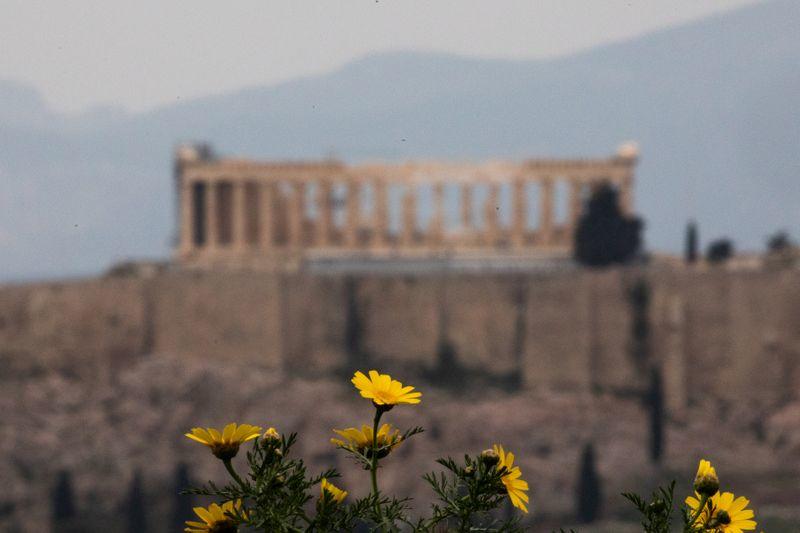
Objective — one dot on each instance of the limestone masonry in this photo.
(720, 335)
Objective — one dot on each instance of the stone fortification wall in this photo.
(722, 334)
(84, 362)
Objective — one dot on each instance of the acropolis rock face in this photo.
(102, 377)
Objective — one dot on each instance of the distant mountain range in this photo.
(714, 104)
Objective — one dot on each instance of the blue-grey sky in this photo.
(84, 53)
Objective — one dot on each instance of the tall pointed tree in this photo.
(63, 502)
(181, 503)
(691, 242)
(589, 492)
(135, 508)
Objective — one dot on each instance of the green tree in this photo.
(779, 242)
(604, 235)
(719, 251)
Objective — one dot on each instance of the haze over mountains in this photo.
(715, 106)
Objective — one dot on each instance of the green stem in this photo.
(374, 463)
(234, 475)
(696, 515)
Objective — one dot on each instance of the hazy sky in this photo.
(139, 54)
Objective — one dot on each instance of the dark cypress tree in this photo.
(656, 408)
(604, 235)
(589, 493)
(778, 242)
(691, 242)
(63, 502)
(182, 503)
(135, 506)
(719, 251)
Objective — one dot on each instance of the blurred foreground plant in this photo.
(276, 493)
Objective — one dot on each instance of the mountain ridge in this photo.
(713, 104)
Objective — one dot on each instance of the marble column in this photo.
(409, 215)
(325, 213)
(520, 213)
(381, 213)
(545, 229)
(353, 208)
(436, 230)
(626, 195)
(490, 215)
(212, 219)
(238, 215)
(296, 214)
(466, 207)
(575, 205)
(266, 198)
(187, 216)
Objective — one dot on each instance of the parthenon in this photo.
(241, 212)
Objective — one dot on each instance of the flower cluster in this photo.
(276, 493)
(217, 518)
(710, 510)
(707, 511)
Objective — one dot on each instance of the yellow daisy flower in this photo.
(337, 494)
(515, 486)
(727, 514)
(383, 390)
(706, 481)
(215, 518)
(225, 444)
(360, 440)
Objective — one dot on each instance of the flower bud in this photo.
(657, 507)
(707, 484)
(270, 435)
(469, 471)
(490, 457)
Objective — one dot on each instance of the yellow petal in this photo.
(198, 439)
(207, 517)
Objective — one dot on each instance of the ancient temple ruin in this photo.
(252, 213)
